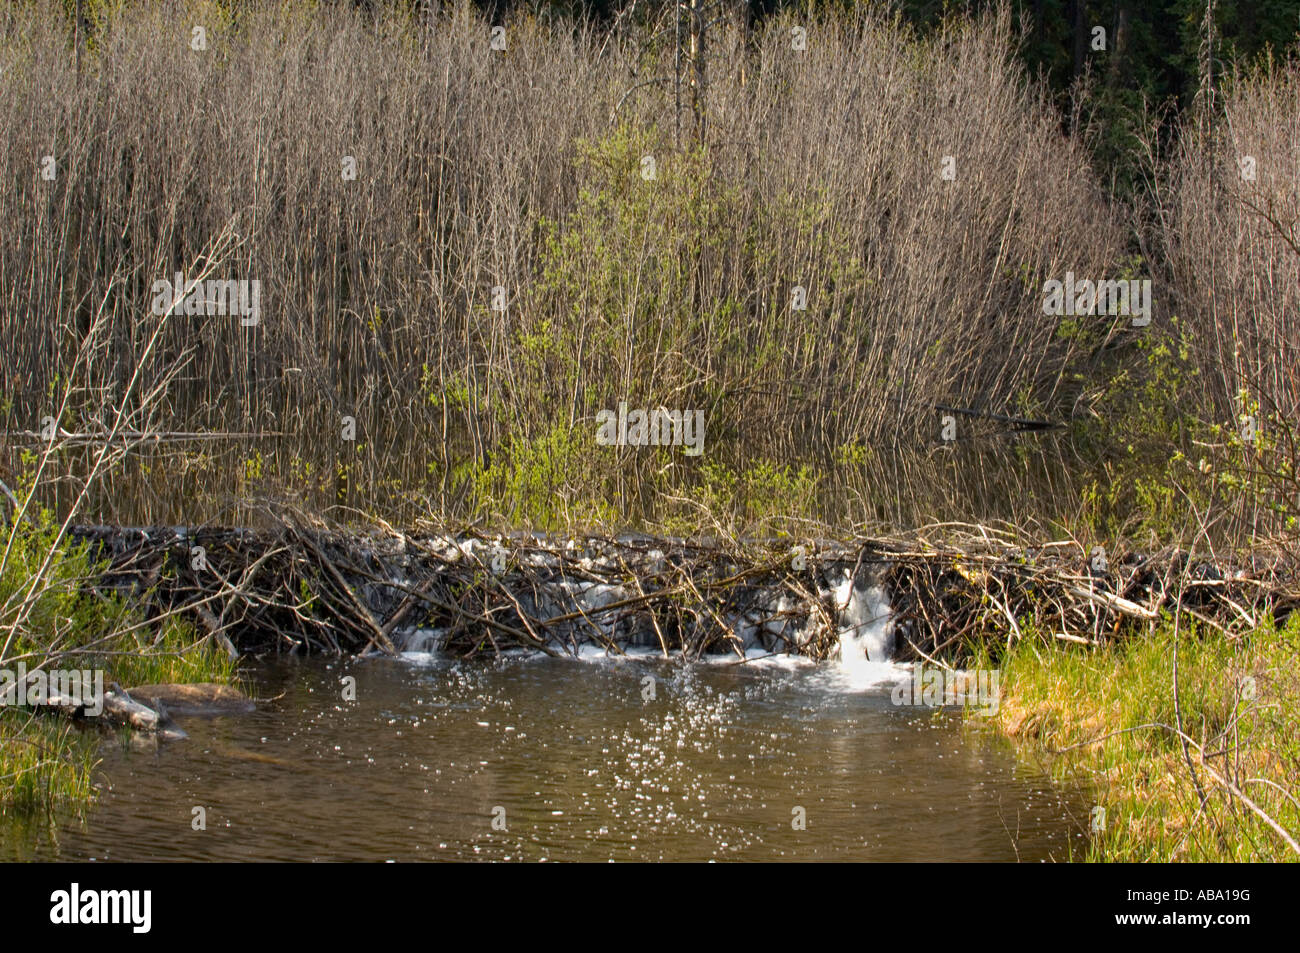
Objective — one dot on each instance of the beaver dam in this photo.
(295, 588)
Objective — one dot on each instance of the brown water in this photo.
(576, 761)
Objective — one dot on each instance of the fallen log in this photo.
(200, 698)
(116, 708)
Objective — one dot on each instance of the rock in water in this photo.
(202, 698)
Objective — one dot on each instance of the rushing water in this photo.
(578, 759)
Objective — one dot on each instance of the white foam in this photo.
(421, 659)
(863, 622)
(591, 652)
(589, 597)
(758, 657)
(864, 632)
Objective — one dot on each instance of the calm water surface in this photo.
(577, 759)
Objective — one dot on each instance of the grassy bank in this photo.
(1195, 775)
(54, 615)
(44, 763)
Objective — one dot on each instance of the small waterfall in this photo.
(765, 620)
(866, 636)
(416, 641)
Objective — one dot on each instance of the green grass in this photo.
(45, 761)
(1094, 716)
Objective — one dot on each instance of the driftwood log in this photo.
(117, 709)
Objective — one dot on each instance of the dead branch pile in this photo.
(985, 587)
(299, 587)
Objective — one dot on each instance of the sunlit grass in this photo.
(43, 762)
(65, 623)
(1108, 718)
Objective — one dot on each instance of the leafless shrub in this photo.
(821, 168)
(1228, 222)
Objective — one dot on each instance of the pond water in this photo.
(533, 758)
